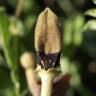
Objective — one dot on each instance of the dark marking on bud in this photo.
(48, 60)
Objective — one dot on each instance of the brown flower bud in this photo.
(48, 39)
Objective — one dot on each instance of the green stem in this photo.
(15, 80)
(19, 8)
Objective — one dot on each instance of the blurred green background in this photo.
(78, 24)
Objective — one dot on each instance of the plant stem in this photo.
(17, 90)
(47, 80)
(19, 8)
(15, 80)
(46, 86)
(34, 87)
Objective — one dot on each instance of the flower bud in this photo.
(27, 60)
(48, 39)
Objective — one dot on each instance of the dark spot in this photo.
(47, 61)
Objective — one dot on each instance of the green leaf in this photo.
(73, 30)
(78, 24)
(4, 32)
(10, 43)
(91, 12)
(64, 64)
(7, 92)
(89, 44)
(67, 32)
(94, 1)
(90, 25)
